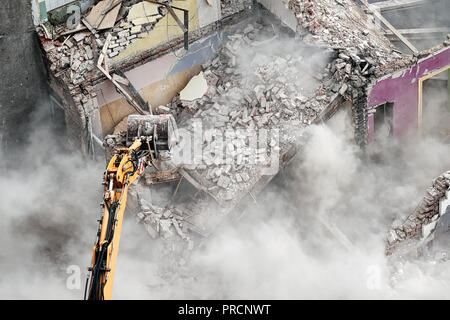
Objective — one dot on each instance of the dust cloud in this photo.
(317, 230)
(49, 205)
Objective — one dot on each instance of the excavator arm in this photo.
(123, 169)
(146, 136)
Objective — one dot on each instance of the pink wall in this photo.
(402, 89)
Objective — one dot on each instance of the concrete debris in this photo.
(422, 221)
(103, 15)
(195, 89)
(136, 29)
(78, 37)
(267, 95)
(167, 223)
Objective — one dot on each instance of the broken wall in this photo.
(158, 81)
(402, 88)
(404, 236)
(360, 44)
(166, 29)
(141, 32)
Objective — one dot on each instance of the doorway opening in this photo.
(384, 121)
(434, 105)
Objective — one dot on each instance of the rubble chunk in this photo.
(195, 89)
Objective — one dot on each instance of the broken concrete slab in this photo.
(107, 20)
(80, 36)
(195, 89)
(143, 13)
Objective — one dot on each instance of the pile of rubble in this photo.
(159, 221)
(342, 24)
(268, 94)
(74, 48)
(249, 87)
(421, 222)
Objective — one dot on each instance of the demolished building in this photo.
(140, 57)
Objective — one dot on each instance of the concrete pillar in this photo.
(279, 9)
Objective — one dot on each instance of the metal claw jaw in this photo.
(161, 130)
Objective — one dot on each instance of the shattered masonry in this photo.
(427, 212)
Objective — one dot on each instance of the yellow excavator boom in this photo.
(123, 169)
(147, 135)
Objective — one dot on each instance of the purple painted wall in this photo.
(402, 89)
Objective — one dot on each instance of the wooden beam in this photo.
(103, 58)
(144, 105)
(390, 26)
(336, 233)
(108, 8)
(91, 29)
(419, 33)
(422, 30)
(194, 182)
(174, 15)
